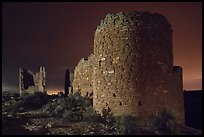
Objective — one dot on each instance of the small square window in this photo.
(139, 103)
(120, 103)
(99, 63)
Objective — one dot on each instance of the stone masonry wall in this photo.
(83, 80)
(133, 67)
(30, 82)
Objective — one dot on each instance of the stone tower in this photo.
(133, 70)
(67, 83)
(41, 79)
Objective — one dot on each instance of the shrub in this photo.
(87, 101)
(35, 100)
(77, 96)
(90, 114)
(24, 94)
(53, 108)
(163, 123)
(107, 116)
(12, 107)
(71, 108)
(58, 111)
(8, 95)
(67, 116)
(125, 124)
(47, 110)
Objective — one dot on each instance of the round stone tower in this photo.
(133, 68)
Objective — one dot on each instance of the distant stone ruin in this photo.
(68, 82)
(30, 82)
(131, 69)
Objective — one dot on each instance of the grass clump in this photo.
(163, 123)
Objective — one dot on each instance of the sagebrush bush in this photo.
(107, 116)
(12, 107)
(55, 108)
(67, 116)
(72, 108)
(7, 95)
(125, 125)
(58, 111)
(163, 123)
(48, 109)
(34, 100)
(90, 114)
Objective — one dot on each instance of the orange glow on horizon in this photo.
(55, 92)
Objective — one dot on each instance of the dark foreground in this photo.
(30, 123)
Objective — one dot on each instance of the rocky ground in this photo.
(31, 123)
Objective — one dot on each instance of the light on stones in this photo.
(103, 59)
(111, 72)
(158, 62)
(105, 72)
(155, 93)
(165, 91)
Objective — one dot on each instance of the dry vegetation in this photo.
(74, 115)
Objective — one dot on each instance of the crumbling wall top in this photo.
(177, 69)
(135, 18)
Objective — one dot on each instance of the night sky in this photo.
(58, 35)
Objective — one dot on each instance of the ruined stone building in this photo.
(30, 82)
(83, 76)
(68, 82)
(131, 69)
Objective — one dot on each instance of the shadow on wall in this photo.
(193, 108)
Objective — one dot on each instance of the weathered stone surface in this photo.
(132, 67)
(30, 82)
(83, 76)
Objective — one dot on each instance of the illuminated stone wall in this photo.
(132, 68)
(83, 76)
